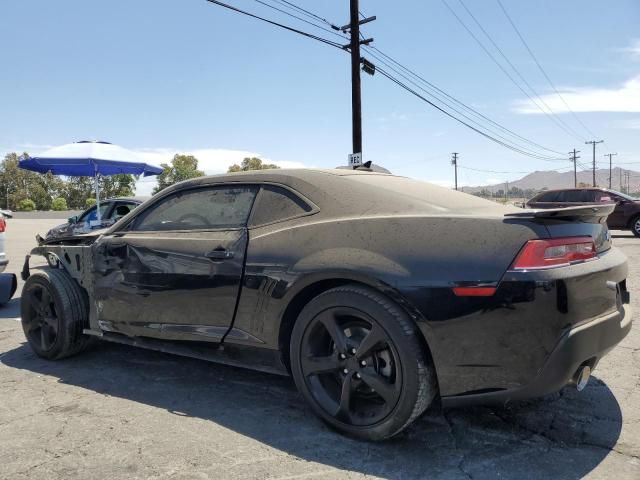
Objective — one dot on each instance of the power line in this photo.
(467, 117)
(504, 70)
(300, 19)
(442, 94)
(526, 45)
(307, 13)
(271, 22)
(499, 142)
(567, 128)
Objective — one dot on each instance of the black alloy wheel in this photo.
(357, 359)
(41, 320)
(635, 226)
(350, 366)
(54, 310)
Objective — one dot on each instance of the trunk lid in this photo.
(573, 222)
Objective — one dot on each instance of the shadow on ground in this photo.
(10, 310)
(563, 436)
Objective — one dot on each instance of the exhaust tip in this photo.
(581, 377)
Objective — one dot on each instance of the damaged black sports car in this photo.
(378, 294)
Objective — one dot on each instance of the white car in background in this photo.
(8, 281)
(3, 256)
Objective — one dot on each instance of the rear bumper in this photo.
(585, 344)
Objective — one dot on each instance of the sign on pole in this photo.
(355, 159)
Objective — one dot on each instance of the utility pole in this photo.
(610, 165)
(627, 176)
(356, 91)
(454, 162)
(594, 142)
(621, 180)
(575, 168)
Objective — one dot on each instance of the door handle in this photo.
(219, 254)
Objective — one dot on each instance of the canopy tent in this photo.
(89, 159)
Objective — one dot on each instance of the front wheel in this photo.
(54, 312)
(358, 361)
(635, 226)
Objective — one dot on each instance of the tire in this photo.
(54, 310)
(635, 225)
(357, 359)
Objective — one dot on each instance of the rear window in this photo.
(276, 204)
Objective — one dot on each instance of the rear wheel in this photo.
(357, 359)
(54, 313)
(635, 225)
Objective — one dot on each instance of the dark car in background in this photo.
(111, 210)
(625, 216)
(378, 294)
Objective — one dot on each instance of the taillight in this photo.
(3, 224)
(555, 252)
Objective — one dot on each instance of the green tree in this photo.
(26, 205)
(183, 167)
(59, 204)
(117, 186)
(90, 202)
(77, 190)
(252, 163)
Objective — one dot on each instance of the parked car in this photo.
(377, 293)
(8, 281)
(111, 210)
(625, 216)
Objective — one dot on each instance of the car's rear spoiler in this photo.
(590, 213)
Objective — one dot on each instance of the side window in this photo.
(121, 209)
(591, 195)
(92, 214)
(548, 197)
(572, 196)
(277, 203)
(604, 197)
(197, 209)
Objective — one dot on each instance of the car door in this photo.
(174, 270)
(620, 216)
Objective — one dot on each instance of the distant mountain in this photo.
(552, 180)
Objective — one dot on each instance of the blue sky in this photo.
(168, 76)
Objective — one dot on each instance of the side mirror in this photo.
(621, 202)
(73, 219)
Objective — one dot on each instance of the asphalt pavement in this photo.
(121, 413)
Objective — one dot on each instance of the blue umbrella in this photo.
(89, 159)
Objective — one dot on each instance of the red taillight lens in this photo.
(3, 224)
(555, 252)
(474, 291)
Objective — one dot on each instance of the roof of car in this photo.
(341, 193)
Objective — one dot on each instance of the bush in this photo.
(90, 202)
(59, 204)
(26, 205)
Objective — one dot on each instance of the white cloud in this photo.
(210, 160)
(634, 49)
(622, 99)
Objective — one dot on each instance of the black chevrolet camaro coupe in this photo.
(378, 294)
